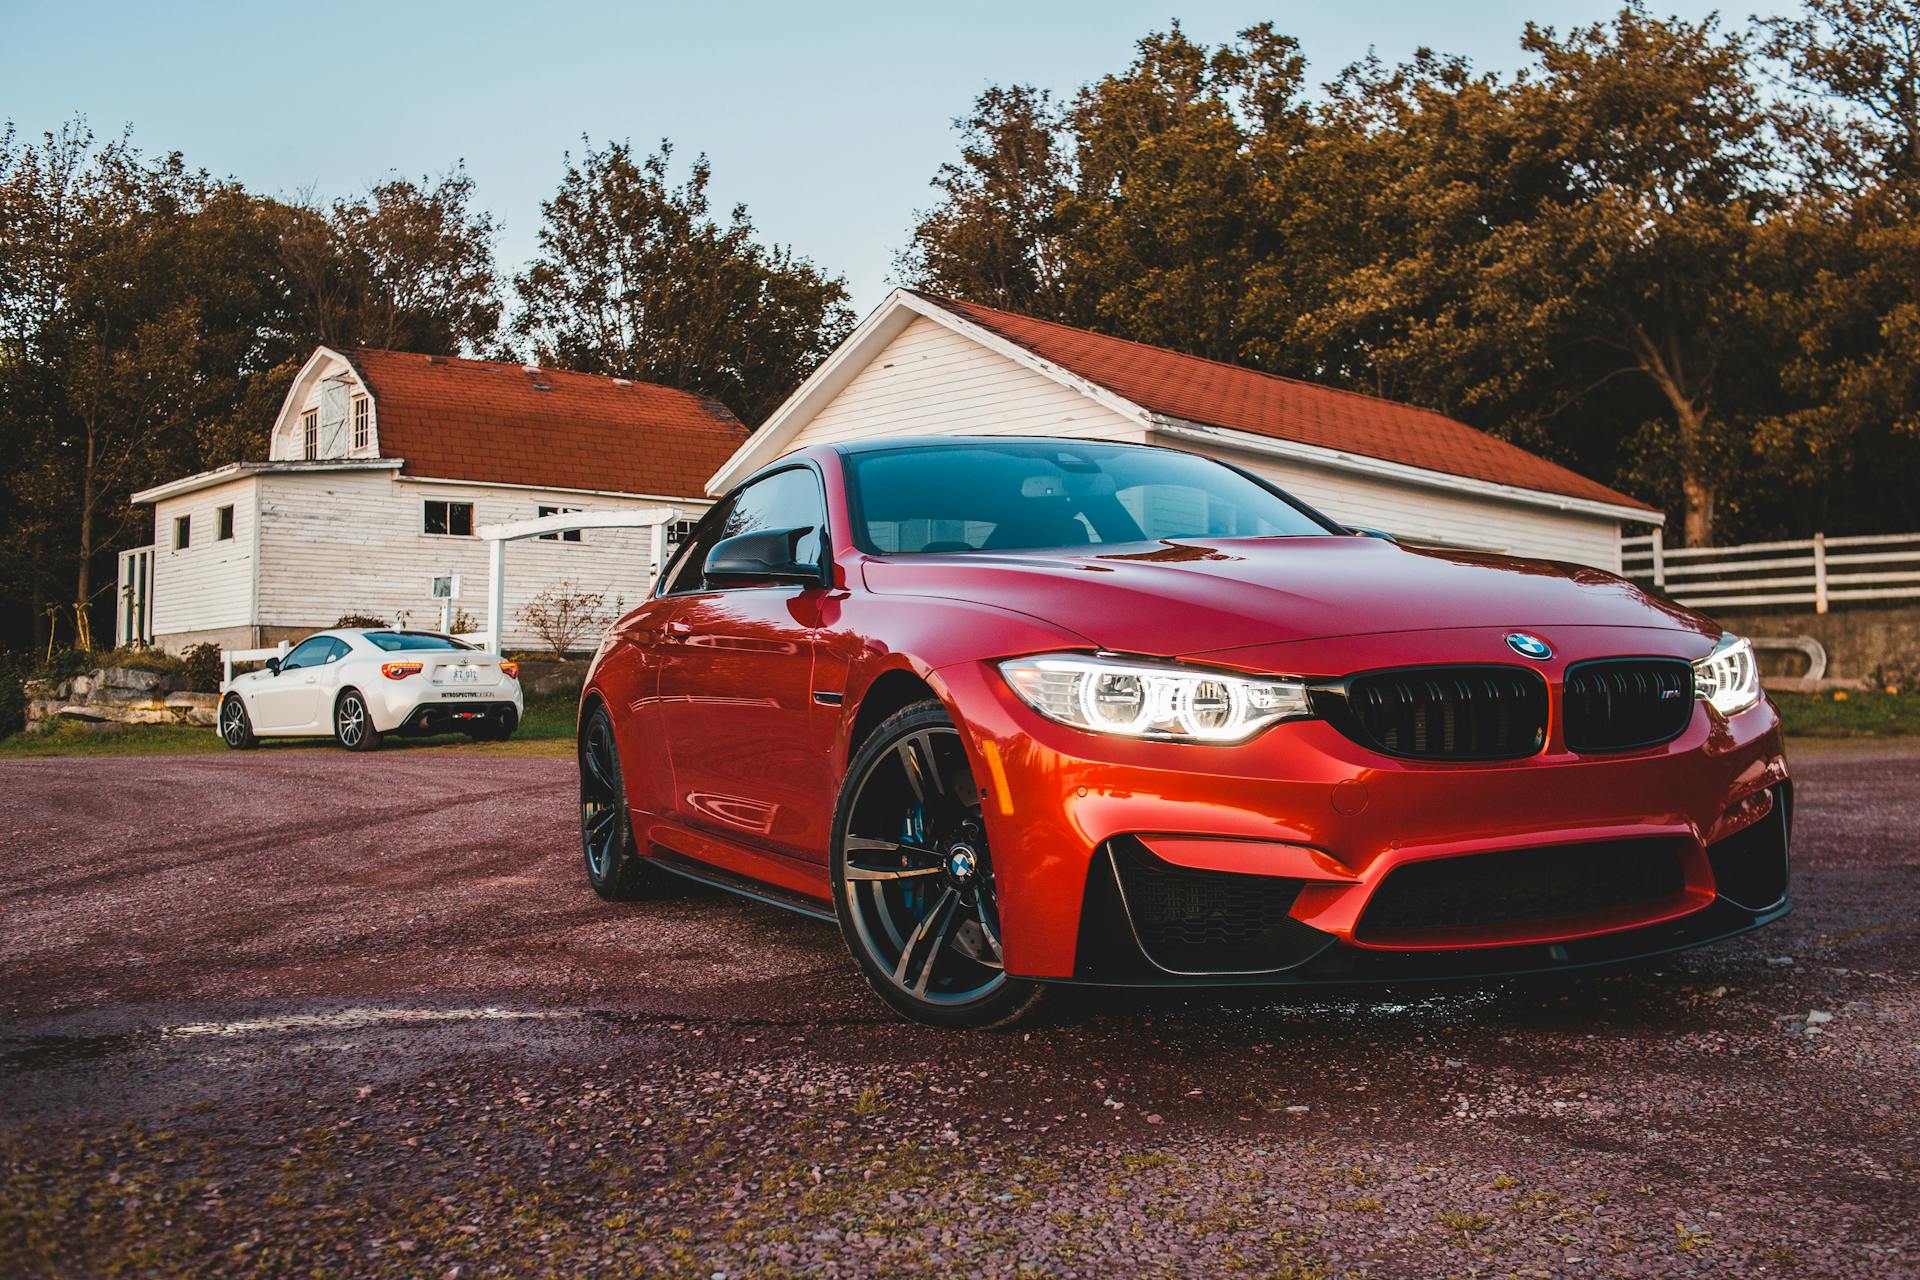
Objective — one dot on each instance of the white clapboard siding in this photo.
(1418, 513)
(347, 542)
(208, 585)
(932, 381)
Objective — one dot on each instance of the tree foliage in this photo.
(150, 318)
(637, 277)
(1633, 255)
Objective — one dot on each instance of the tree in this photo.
(637, 278)
(407, 266)
(995, 234)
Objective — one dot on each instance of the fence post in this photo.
(1819, 573)
(1659, 560)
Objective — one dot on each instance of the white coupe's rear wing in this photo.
(230, 656)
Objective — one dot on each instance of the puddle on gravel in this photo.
(37, 1053)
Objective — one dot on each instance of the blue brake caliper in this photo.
(913, 830)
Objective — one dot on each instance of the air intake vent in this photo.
(1489, 889)
(1210, 922)
(1619, 704)
(1442, 713)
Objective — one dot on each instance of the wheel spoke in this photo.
(855, 872)
(934, 945)
(919, 935)
(910, 765)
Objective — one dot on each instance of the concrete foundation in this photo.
(1878, 645)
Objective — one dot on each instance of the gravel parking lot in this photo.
(301, 1011)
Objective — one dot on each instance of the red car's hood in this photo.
(1191, 596)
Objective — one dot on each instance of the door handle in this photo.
(679, 630)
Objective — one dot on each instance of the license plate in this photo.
(465, 675)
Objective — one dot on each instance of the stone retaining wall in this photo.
(120, 695)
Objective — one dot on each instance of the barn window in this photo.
(310, 433)
(362, 423)
(224, 533)
(568, 535)
(453, 519)
(182, 532)
(679, 531)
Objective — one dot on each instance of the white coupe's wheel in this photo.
(353, 723)
(236, 727)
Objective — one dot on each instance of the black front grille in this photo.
(1192, 921)
(1485, 889)
(1442, 713)
(1618, 704)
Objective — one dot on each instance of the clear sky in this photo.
(826, 120)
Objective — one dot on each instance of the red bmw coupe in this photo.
(1018, 712)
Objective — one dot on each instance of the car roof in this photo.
(930, 442)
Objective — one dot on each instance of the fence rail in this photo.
(1819, 571)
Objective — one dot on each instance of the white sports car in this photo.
(358, 684)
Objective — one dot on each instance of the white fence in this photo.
(1819, 571)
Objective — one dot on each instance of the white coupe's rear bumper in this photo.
(414, 703)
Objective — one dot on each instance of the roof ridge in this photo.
(955, 304)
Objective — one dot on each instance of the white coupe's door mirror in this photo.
(273, 666)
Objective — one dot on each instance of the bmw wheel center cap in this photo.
(1529, 646)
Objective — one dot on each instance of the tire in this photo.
(353, 722)
(615, 869)
(913, 879)
(236, 726)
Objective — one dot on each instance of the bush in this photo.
(65, 664)
(361, 620)
(158, 661)
(202, 663)
(13, 694)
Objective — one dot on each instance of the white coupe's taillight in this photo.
(511, 670)
(400, 670)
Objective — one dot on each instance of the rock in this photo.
(102, 713)
(208, 701)
(79, 687)
(43, 709)
(1818, 1016)
(132, 678)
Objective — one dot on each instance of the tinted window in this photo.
(313, 652)
(405, 641)
(993, 497)
(784, 500)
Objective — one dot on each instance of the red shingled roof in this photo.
(1223, 395)
(497, 423)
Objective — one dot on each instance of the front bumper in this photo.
(1305, 805)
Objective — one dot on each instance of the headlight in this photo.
(1728, 679)
(1152, 700)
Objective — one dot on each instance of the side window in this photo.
(784, 500)
(340, 649)
(309, 653)
(686, 570)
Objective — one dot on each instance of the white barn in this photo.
(924, 365)
(381, 467)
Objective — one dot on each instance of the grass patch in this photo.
(545, 730)
(1857, 715)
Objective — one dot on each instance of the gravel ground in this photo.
(240, 1033)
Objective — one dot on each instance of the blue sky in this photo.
(826, 120)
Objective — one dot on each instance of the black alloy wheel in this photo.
(913, 877)
(615, 868)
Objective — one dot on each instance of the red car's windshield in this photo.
(1030, 494)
